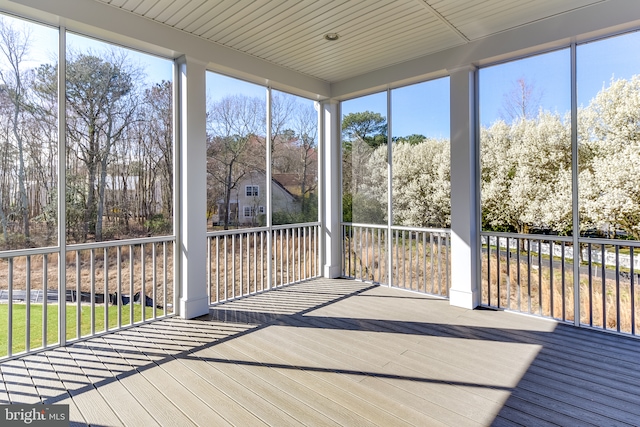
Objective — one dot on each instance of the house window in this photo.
(250, 211)
(251, 190)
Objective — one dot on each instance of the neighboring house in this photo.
(248, 200)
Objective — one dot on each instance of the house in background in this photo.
(248, 201)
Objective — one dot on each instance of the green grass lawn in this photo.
(20, 330)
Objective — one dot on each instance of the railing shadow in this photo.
(575, 374)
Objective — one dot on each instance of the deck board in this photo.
(339, 352)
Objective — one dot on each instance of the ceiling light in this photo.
(331, 36)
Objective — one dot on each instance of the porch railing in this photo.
(107, 286)
(242, 261)
(409, 258)
(534, 274)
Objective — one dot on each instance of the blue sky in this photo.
(424, 108)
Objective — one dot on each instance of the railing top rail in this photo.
(421, 229)
(236, 231)
(527, 236)
(259, 229)
(356, 224)
(297, 225)
(399, 227)
(115, 243)
(610, 242)
(26, 252)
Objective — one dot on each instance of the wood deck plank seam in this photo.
(268, 349)
(364, 374)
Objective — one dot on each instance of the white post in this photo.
(465, 227)
(192, 241)
(332, 186)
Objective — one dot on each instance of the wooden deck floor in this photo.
(338, 352)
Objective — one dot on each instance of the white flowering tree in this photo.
(421, 182)
(526, 174)
(609, 186)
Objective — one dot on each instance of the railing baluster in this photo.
(562, 277)
(529, 259)
(119, 286)
(498, 272)
(78, 307)
(164, 279)
(590, 283)
(604, 286)
(233, 266)
(255, 262)
(433, 266)
(154, 281)
(508, 275)
(10, 307)
(28, 305)
(247, 262)
(410, 260)
(617, 288)
(519, 299)
(226, 270)
(551, 295)
(439, 264)
(92, 290)
(262, 261)
(209, 268)
(448, 266)
(240, 256)
(105, 274)
(282, 260)
(489, 271)
(632, 290)
(131, 285)
(45, 297)
(540, 277)
(143, 282)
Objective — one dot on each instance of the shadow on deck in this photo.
(338, 352)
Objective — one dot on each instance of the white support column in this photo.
(465, 227)
(192, 241)
(332, 186)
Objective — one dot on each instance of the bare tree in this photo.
(522, 101)
(235, 125)
(102, 98)
(14, 46)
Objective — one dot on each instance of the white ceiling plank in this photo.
(312, 28)
(301, 16)
(206, 15)
(188, 8)
(380, 58)
(159, 8)
(144, 7)
(116, 3)
(174, 8)
(266, 23)
(437, 14)
(130, 5)
(227, 21)
(349, 29)
(353, 39)
(272, 12)
(186, 17)
(210, 21)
